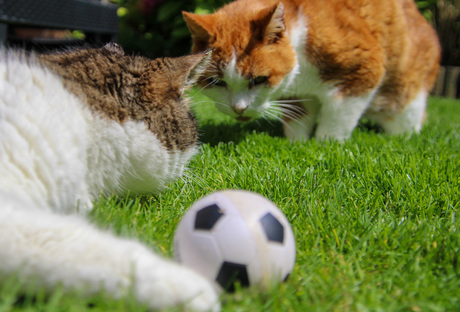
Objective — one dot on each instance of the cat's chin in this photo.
(243, 118)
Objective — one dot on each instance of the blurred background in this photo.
(156, 28)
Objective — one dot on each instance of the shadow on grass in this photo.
(215, 133)
(369, 126)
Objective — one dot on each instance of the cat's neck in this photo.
(297, 33)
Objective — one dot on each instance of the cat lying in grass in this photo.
(80, 124)
(323, 64)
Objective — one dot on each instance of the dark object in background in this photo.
(155, 28)
(49, 24)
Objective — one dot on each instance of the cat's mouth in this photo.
(243, 118)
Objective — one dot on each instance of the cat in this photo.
(78, 124)
(323, 64)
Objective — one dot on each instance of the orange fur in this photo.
(357, 46)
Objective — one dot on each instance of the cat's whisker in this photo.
(293, 116)
(292, 111)
(290, 101)
(221, 103)
(204, 102)
(288, 91)
(210, 101)
(274, 116)
(290, 108)
(202, 88)
(212, 81)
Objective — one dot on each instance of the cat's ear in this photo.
(197, 64)
(114, 48)
(274, 27)
(200, 27)
(172, 75)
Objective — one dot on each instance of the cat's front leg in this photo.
(54, 250)
(339, 115)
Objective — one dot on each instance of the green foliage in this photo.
(427, 7)
(156, 28)
(444, 15)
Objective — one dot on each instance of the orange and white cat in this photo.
(323, 63)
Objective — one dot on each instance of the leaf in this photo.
(168, 10)
(423, 4)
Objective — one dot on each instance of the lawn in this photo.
(375, 218)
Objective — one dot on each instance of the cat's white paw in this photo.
(162, 284)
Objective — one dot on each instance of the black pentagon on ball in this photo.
(231, 273)
(273, 229)
(207, 217)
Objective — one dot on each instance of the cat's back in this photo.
(363, 43)
(39, 119)
(30, 88)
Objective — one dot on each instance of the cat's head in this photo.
(252, 56)
(124, 87)
(141, 127)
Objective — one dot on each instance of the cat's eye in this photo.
(219, 83)
(258, 80)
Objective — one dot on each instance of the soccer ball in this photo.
(236, 237)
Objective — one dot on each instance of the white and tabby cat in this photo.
(79, 124)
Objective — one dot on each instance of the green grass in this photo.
(375, 218)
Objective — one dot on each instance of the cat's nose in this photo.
(238, 110)
(239, 107)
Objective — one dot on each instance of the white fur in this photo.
(238, 93)
(406, 121)
(339, 115)
(56, 158)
